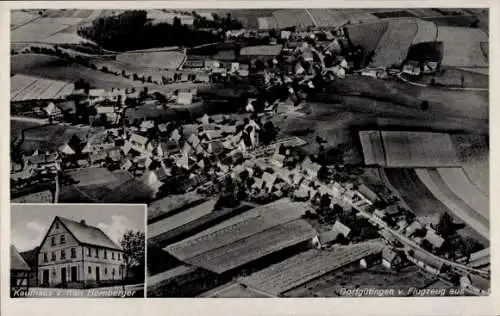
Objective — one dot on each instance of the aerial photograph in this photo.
(69, 250)
(280, 152)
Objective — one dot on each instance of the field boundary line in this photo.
(442, 88)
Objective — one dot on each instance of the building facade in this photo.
(74, 254)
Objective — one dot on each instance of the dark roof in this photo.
(87, 234)
(31, 257)
(17, 262)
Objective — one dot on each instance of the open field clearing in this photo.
(268, 50)
(427, 207)
(307, 266)
(16, 127)
(239, 227)
(24, 88)
(462, 46)
(257, 246)
(353, 16)
(158, 16)
(460, 184)
(418, 149)
(66, 38)
(172, 203)
(55, 134)
(394, 44)
(367, 35)
(267, 23)
(293, 17)
(234, 290)
(159, 59)
(353, 277)
(455, 204)
(180, 219)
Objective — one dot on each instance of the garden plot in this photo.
(462, 46)
(426, 32)
(19, 18)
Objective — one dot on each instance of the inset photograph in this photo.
(77, 250)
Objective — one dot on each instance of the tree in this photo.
(445, 226)
(133, 245)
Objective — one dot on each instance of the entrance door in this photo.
(73, 274)
(63, 276)
(45, 277)
(97, 274)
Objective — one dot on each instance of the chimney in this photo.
(83, 222)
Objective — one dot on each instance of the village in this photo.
(233, 202)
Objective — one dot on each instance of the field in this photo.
(158, 16)
(432, 179)
(172, 203)
(180, 219)
(394, 44)
(367, 35)
(473, 77)
(418, 149)
(307, 266)
(40, 29)
(408, 149)
(293, 17)
(459, 183)
(354, 277)
(159, 279)
(243, 251)
(19, 18)
(233, 290)
(462, 46)
(426, 32)
(159, 59)
(373, 149)
(239, 227)
(99, 176)
(268, 50)
(50, 137)
(24, 88)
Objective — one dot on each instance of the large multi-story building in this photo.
(74, 253)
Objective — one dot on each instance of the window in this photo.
(63, 254)
(53, 241)
(105, 254)
(97, 253)
(45, 257)
(53, 256)
(89, 250)
(105, 270)
(73, 252)
(119, 257)
(113, 271)
(113, 255)
(90, 269)
(57, 225)
(63, 239)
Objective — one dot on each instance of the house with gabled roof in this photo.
(75, 254)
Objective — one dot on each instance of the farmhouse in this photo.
(390, 258)
(426, 262)
(31, 258)
(77, 254)
(324, 239)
